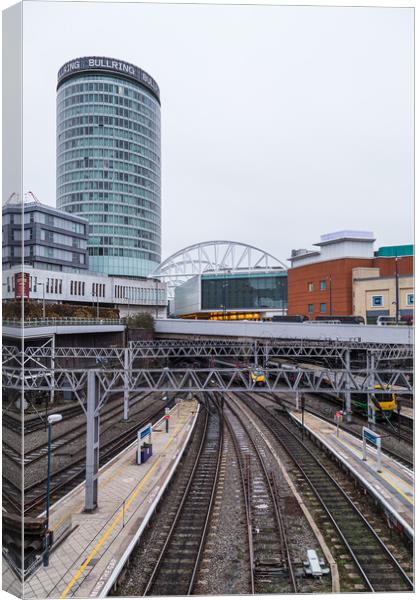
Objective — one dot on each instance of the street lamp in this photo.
(397, 291)
(51, 420)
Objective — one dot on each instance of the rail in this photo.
(176, 567)
(364, 545)
(253, 517)
(66, 477)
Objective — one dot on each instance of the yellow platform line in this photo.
(359, 453)
(101, 485)
(119, 516)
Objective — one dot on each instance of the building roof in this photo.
(404, 250)
(31, 203)
(346, 235)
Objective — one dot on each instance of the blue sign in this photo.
(370, 435)
(146, 431)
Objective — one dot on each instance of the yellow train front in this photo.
(258, 376)
(385, 404)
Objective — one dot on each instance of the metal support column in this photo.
(92, 443)
(347, 393)
(52, 369)
(371, 408)
(255, 354)
(266, 355)
(126, 382)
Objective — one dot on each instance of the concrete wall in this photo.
(309, 331)
(365, 287)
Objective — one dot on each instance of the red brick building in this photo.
(324, 285)
(329, 283)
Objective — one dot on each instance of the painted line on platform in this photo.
(119, 516)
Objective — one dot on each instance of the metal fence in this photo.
(60, 321)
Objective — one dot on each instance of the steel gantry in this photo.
(264, 353)
(210, 348)
(92, 387)
(163, 379)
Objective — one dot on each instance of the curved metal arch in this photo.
(216, 256)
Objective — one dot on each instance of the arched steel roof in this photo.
(216, 256)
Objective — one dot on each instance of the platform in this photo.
(393, 486)
(407, 412)
(88, 561)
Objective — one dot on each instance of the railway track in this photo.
(75, 432)
(177, 564)
(145, 555)
(354, 428)
(14, 423)
(379, 570)
(271, 569)
(64, 479)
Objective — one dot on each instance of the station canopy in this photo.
(218, 257)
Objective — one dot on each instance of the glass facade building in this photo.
(244, 292)
(108, 161)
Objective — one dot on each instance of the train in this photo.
(257, 376)
(385, 404)
(350, 319)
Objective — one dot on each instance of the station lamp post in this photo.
(51, 420)
(302, 406)
(397, 291)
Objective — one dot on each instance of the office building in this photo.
(108, 161)
(39, 235)
(56, 264)
(130, 296)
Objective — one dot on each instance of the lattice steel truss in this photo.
(213, 380)
(33, 356)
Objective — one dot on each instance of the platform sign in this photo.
(373, 438)
(144, 432)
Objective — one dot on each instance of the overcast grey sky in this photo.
(278, 123)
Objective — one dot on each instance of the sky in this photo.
(279, 124)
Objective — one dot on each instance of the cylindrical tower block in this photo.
(108, 161)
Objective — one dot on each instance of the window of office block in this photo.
(377, 300)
